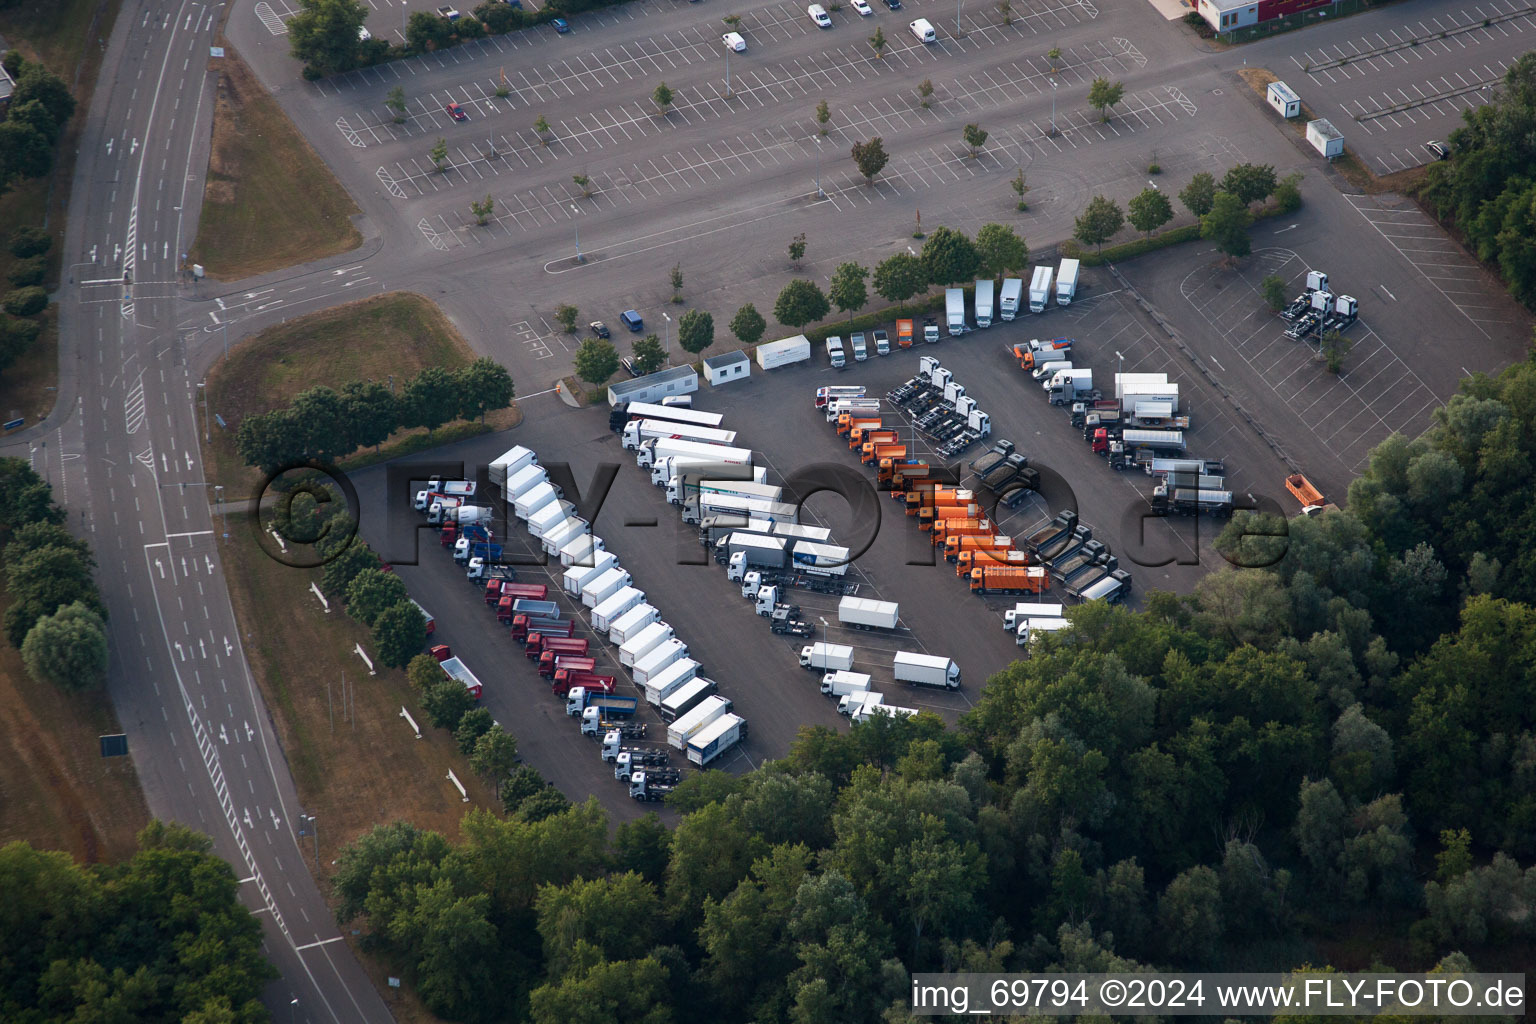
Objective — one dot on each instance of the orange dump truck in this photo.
(873, 453)
(934, 518)
(987, 580)
(1302, 489)
(904, 333)
(861, 436)
(847, 421)
(939, 496)
(955, 544)
(969, 560)
(976, 526)
(896, 474)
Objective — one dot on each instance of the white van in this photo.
(819, 15)
(923, 31)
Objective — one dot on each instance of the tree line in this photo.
(1487, 190)
(324, 424)
(56, 617)
(1337, 740)
(161, 937)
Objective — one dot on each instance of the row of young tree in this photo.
(1487, 189)
(56, 617)
(1339, 740)
(324, 424)
(160, 937)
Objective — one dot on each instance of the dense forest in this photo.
(1328, 761)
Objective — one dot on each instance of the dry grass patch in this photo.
(56, 792)
(270, 202)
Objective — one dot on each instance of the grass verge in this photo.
(56, 791)
(393, 335)
(270, 201)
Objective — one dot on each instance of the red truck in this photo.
(498, 592)
(572, 662)
(566, 680)
(442, 652)
(555, 646)
(524, 626)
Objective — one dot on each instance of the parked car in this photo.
(631, 318)
(894, 5)
(629, 367)
(819, 15)
(448, 12)
(599, 328)
(1438, 149)
(561, 25)
(456, 112)
(733, 41)
(862, 6)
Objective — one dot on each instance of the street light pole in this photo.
(727, 72)
(576, 223)
(1053, 106)
(819, 193)
(957, 18)
(202, 386)
(666, 345)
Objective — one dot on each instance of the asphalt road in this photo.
(119, 451)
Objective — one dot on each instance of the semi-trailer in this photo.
(625, 412)
(578, 576)
(793, 533)
(508, 464)
(637, 432)
(530, 501)
(840, 684)
(658, 659)
(619, 603)
(581, 701)
(825, 657)
(604, 587)
(692, 487)
(716, 738)
(685, 725)
(686, 698)
(747, 551)
(523, 481)
(819, 559)
(649, 637)
(545, 650)
(673, 466)
(669, 680)
(652, 451)
(643, 789)
(628, 625)
(456, 669)
(695, 512)
(863, 613)
(565, 680)
(988, 579)
(926, 670)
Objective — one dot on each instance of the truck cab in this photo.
(835, 354)
(860, 347)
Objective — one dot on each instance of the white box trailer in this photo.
(862, 613)
(573, 529)
(647, 639)
(841, 684)
(1040, 290)
(669, 680)
(1024, 610)
(926, 670)
(604, 587)
(657, 659)
(687, 697)
(582, 550)
(509, 463)
(575, 579)
(671, 413)
(638, 431)
(619, 603)
(667, 470)
(1066, 282)
(707, 710)
(529, 502)
(525, 480)
(550, 516)
(696, 512)
(826, 657)
(1010, 297)
(656, 449)
(793, 533)
(849, 704)
(985, 287)
(628, 625)
(954, 311)
(774, 354)
(1165, 440)
(820, 559)
(716, 738)
(1139, 382)
(689, 487)
(1029, 629)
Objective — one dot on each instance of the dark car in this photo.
(599, 328)
(1439, 150)
(629, 367)
(456, 112)
(632, 320)
(894, 5)
(561, 25)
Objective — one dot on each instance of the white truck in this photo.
(1024, 610)
(1040, 290)
(954, 311)
(851, 702)
(525, 480)
(835, 354)
(862, 613)
(1067, 386)
(695, 512)
(655, 449)
(582, 550)
(608, 611)
(509, 463)
(1033, 627)
(842, 683)
(638, 431)
(1066, 282)
(669, 680)
(796, 532)
(1136, 383)
(573, 529)
(870, 710)
(774, 354)
(605, 586)
(690, 488)
(984, 291)
(825, 657)
(1009, 298)
(685, 725)
(657, 659)
(574, 579)
(668, 469)
(926, 670)
(852, 407)
(716, 738)
(687, 697)
(550, 516)
(530, 501)
(629, 624)
(647, 639)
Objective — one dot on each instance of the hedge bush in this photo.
(26, 301)
(29, 272)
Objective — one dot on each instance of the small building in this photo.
(772, 354)
(1284, 99)
(724, 369)
(653, 387)
(1325, 138)
(1226, 15)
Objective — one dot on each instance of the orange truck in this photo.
(861, 436)
(847, 421)
(940, 496)
(971, 526)
(873, 453)
(954, 544)
(988, 580)
(1301, 488)
(933, 517)
(895, 474)
(904, 333)
(968, 560)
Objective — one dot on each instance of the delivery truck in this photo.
(529, 502)
(716, 738)
(692, 486)
(652, 451)
(1009, 580)
(649, 637)
(1008, 300)
(954, 311)
(1030, 610)
(863, 613)
(582, 551)
(624, 412)
(550, 516)
(685, 725)
(509, 463)
(607, 611)
(1040, 289)
(572, 529)
(926, 670)
(523, 481)
(669, 680)
(903, 333)
(1066, 282)
(637, 432)
(984, 289)
(840, 684)
(1028, 631)
(629, 624)
(824, 657)
(686, 698)
(578, 576)
(657, 659)
(604, 587)
(849, 705)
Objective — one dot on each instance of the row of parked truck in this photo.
(1316, 311)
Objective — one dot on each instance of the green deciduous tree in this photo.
(799, 303)
(1102, 219)
(823, 116)
(1251, 183)
(975, 137)
(342, 567)
(399, 634)
(948, 257)
(566, 316)
(324, 34)
(44, 580)
(899, 276)
(1273, 290)
(481, 209)
(439, 152)
(495, 754)
(1227, 225)
(1199, 194)
(430, 399)
(371, 592)
(423, 671)
(485, 385)
(695, 331)
(675, 278)
(870, 158)
(662, 97)
(878, 42)
(999, 249)
(371, 412)
(426, 30)
(26, 301)
(643, 846)
(648, 355)
(1149, 210)
(67, 649)
(476, 722)
(1103, 94)
(1020, 189)
(614, 916)
(1335, 346)
(1288, 193)
(541, 128)
(847, 290)
(748, 325)
(924, 92)
(630, 990)
(797, 249)
(446, 703)
(395, 101)
(596, 360)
